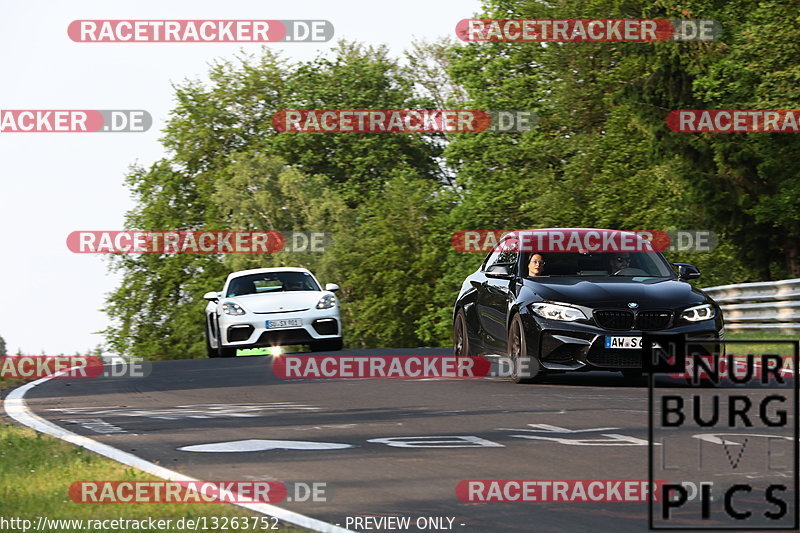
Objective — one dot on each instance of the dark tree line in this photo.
(600, 156)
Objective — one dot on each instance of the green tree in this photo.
(602, 154)
(755, 175)
(356, 77)
(157, 310)
(227, 168)
(3, 347)
(262, 191)
(388, 263)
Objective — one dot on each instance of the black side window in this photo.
(502, 255)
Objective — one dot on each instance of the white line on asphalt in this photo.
(17, 408)
(259, 445)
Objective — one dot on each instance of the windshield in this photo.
(268, 282)
(625, 264)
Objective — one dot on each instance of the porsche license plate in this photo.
(284, 323)
(624, 343)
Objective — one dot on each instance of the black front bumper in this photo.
(580, 346)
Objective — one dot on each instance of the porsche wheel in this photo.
(210, 352)
(224, 351)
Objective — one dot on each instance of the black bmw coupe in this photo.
(552, 307)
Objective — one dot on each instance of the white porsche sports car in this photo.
(272, 307)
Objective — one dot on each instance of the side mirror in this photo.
(499, 271)
(211, 296)
(687, 272)
(331, 287)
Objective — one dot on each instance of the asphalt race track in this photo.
(591, 426)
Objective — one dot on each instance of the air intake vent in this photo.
(616, 359)
(239, 333)
(326, 326)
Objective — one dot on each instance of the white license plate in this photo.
(284, 323)
(624, 343)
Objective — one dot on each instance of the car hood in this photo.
(649, 293)
(278, 302)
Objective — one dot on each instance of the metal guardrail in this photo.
(767, 306)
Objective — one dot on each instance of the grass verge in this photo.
(37, 470)
(270, 351)
(783, 349)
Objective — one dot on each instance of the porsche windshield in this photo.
(271, 282)
(625, 264)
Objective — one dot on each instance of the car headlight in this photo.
(557, 312)
(230, 308)
(326, 302)
(699, 312)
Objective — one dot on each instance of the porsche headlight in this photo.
(326, 302)
(557, 312)
(230, 308)
(699, 312)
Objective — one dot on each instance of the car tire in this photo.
(327, 346)
(225, 351)
(210, 352)
(524, 368)
(460, 335)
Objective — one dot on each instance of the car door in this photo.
(495, 296)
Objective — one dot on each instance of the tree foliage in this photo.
(600, 156)
(228, 168)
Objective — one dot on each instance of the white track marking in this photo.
(222, 410)
(258, 445)
(17, 408)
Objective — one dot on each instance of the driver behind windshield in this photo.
(536, 265)
(295, 285)
(617, 262)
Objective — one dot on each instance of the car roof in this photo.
(265, 270)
